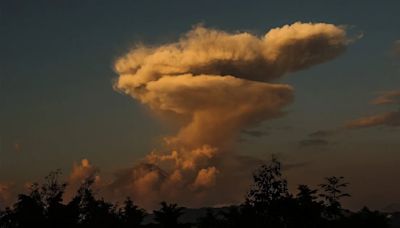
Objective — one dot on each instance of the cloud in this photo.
(396, 48)
(388, 119)
(219, 107)
(389, 97)
(321, 134)
(206, 178)
(391, 119)
(319, 138)
(142, 182)
(5, 194)
(219, 84)
(313, 142)
(255, 133)
(243, 55)
(81, 172)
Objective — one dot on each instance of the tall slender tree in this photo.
(332, 192)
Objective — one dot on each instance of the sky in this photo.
(64, 104)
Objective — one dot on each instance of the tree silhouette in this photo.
(367, 219)
(29, 209)
(332, 193)
(210, 220)
(131, 215)
(7, 218)
(94, 212)
(268, 186)
(309, 211)
(267, 204)
(268, 198)
(52, 192)
(306, 195)
(167, 216)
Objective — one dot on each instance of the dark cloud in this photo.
(255, 133)
(321, 134)
(313, 142)
(294, 165)
(318, 138)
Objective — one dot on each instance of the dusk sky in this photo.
(72, 97)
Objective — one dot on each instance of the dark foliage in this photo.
(267, 204)
(167, 216)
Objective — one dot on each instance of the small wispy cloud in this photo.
(321, 134)
(389, 119)
(389, 97)
(396, 48)
(255, 133)
(313, 142)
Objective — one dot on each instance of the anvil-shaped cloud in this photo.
(221, 84)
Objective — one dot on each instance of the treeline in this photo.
(268, 204)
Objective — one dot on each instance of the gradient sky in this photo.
(58, 106)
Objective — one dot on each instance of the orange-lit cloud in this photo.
(5, 195)
(390, 97)
(81, 172)
(221, 84)
(206, 178)
(391, 119)
(396, 48)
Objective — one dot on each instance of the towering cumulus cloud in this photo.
(221, 84)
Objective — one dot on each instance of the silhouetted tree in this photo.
(306, 195)
(167, 216)
(268, 185)
(209, 220)
(7, 218)
(29, 209)
(366, 218)
(332, 193)
(268, 198)
(72, 212)
(131, 215)
(309, 211)
(94, 212)
(52, 192)
(268, 204)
